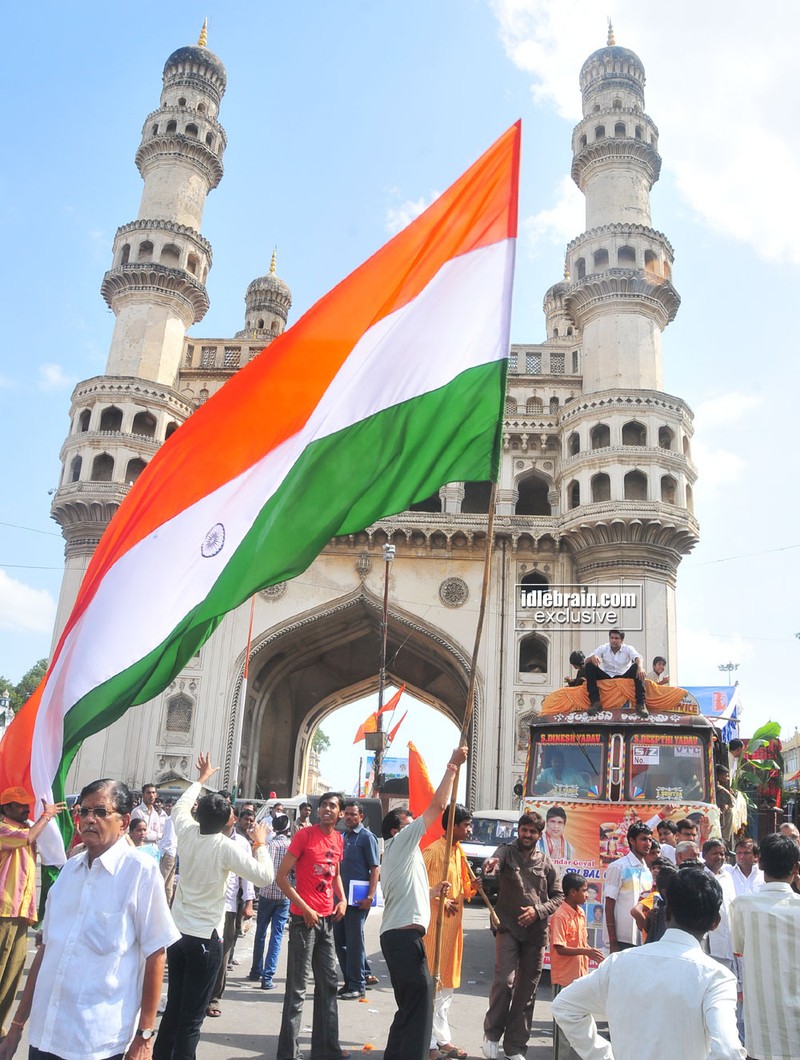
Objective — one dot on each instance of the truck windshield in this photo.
(569, 765)
(489, 832)
(669, 767)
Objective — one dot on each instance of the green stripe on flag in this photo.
(390, 460)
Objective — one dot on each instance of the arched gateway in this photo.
(304, 670)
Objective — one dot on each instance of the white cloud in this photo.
(24, 609)
(397, 217)
(726, 408)
(717, 467)
(721, 89)
(556, 226)
(53, 377)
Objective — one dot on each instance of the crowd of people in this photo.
(713, 934)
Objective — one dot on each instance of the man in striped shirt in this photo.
(765, 927)
(17, 885)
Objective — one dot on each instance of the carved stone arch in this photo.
(303, 669)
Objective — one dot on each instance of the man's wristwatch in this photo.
(147, 1033)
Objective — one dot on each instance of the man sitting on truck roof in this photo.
(612, 660)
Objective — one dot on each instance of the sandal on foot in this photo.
(450, 1050)
(213, 1009)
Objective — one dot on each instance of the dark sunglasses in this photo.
(96, 811)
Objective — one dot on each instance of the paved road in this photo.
(250, 1018)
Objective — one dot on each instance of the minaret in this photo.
(625, 476)
(156, 289)
(267, 304)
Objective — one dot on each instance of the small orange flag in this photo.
(393, 733)
(371, 723)
(420, 793)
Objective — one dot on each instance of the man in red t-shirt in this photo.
(569, 950)
(317, 899)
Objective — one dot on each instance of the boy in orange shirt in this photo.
(569, 950)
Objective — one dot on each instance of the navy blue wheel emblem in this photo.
(213, 541)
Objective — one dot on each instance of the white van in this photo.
(490, 829)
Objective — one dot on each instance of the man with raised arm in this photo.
(406, 917)
(207, 857)
(609, 661)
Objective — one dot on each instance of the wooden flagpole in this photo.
(448, 848)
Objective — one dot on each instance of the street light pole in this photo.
(729, 668)
(388, 557)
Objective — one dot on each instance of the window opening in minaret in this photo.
(626, 256)
(172, 426)
(601, 259)
(171, 256)
(686, 449)
(172, 126)
(574, 444)
(191, 264)
(75, 469)
(583, 140)
(600, 436)
(665, 438)
(476, 498)
(635, 486)
(668, 489)
(145, 251)
(532, 499)
(634, 433)
(600, 132)
(619, 129)
(533, 655)
(689, 499)
(638, 132)
(201, 108)
(191, 130)
(102, 468)
(111, 419)
(601, 488)
(83, 421)
(210, 141)
(574, 493)
(580, 268)
(154, 131)
(133, 470)
(126, 254)
(144, 423)
(650, 262)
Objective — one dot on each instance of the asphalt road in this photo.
(250, 1020)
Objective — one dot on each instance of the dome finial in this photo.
(202, 40)
(273, 265)
(611, 42)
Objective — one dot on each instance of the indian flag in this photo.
(392, 385)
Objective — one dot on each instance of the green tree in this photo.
(320, 741)
(24, 689)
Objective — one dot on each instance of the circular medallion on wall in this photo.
(273, 592)
(454, 592)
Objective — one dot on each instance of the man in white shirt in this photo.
(720, 945)
(696, 1008)
(206, 858)
(233, 886)
(766, 938)
(747, 877)
(94, 984)
(168, 849)
(626, 880)
(612, 660)
(148, 812)
(406, 916)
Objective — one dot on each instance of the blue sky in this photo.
(343, 121)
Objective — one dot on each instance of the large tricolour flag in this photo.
(392, 385)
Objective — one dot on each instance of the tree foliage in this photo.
(320, 741)
(26, 686)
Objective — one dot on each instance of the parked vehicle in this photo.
(490, 829)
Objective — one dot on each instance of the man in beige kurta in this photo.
(461, 890)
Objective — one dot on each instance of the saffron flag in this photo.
(393, 733)
(420, 793)
(392, 385)
(371, 723)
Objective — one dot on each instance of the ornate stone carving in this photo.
(454, 592)
(363, 565)
(273, 592)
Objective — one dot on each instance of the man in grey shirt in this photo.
(406, 914)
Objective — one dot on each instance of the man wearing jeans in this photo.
(612, 660)
(317, 900)
(361, 862)
(273, 911)
(207, 857)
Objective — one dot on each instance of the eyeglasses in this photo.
(96, 811)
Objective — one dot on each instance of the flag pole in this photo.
(388, 556)
(242, 702)
(448, 846)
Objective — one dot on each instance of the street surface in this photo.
(250, 1018)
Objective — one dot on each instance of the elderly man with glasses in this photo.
(94, 985)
